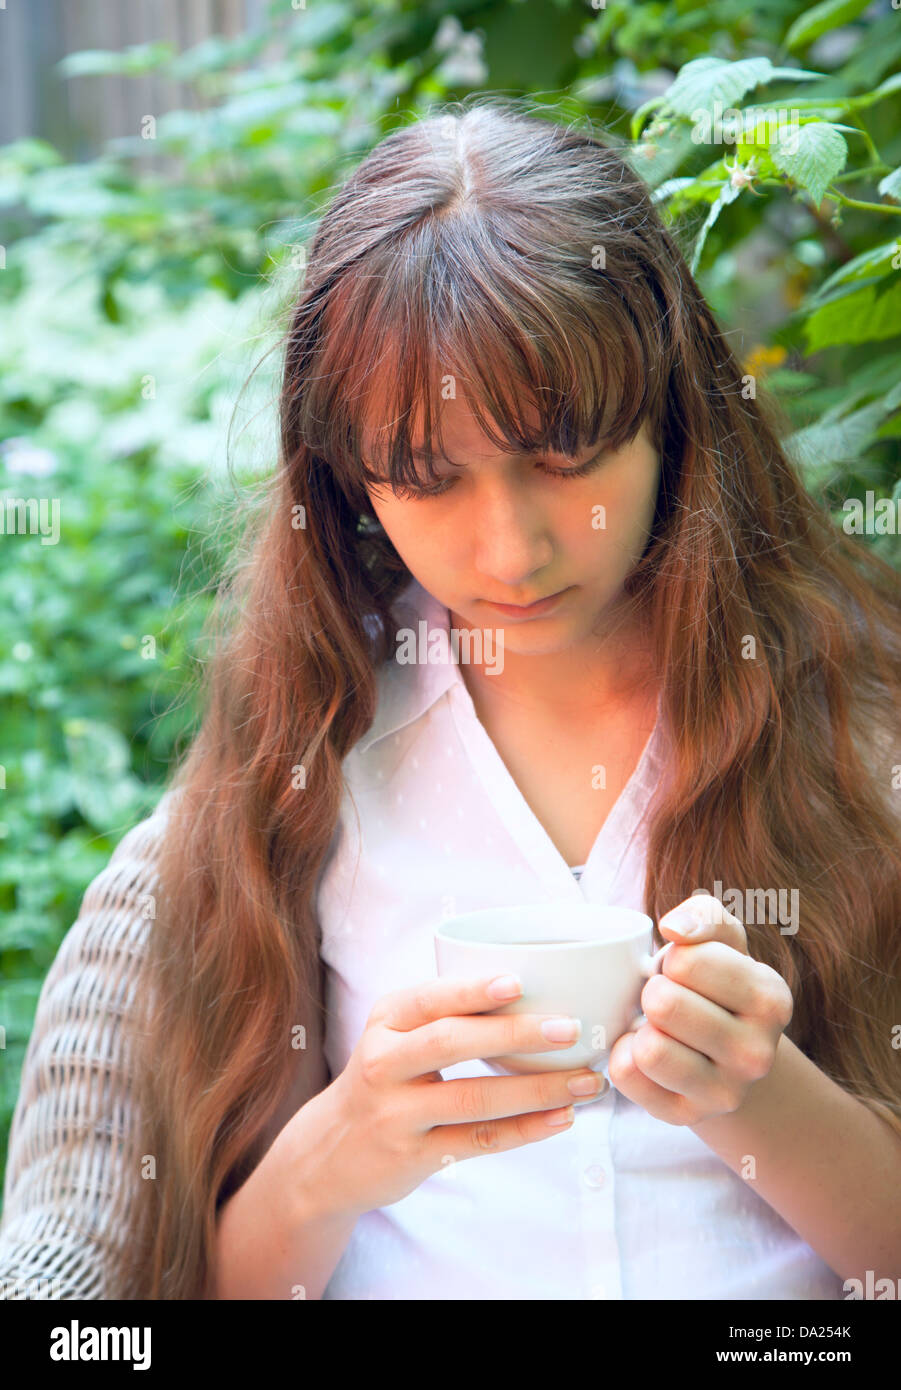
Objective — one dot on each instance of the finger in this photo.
(681, 1070)
(703, 918)
(626, 1077)
(744, 986)
(448, 1040)
(405, 1009)
(448, 1144)
(477, 1098)
(698, 1023)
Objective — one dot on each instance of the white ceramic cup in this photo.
(584, 960)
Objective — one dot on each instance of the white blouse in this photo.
(619, 1206)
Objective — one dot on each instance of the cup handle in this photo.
(649, 965)
(652, 965)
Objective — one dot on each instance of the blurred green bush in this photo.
(140, 289)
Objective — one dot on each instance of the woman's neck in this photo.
(577, 683)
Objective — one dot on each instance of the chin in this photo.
(534, 638)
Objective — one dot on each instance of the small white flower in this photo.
(740, 176)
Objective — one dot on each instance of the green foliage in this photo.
(141, 287)
(782, 166)
(821, 19)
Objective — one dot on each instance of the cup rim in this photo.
(643, 924)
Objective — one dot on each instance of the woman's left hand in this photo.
(714, 1020)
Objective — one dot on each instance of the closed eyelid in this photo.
(537, 456)
(440, 486)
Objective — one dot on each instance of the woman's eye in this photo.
(414, 494)
(438, 489)
(580, 472)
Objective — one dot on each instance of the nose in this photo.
(511, 537)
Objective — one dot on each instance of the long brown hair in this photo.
(467, 243)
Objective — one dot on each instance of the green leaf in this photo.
(818, 107)
(97, 746)
(23, 931)
(890, 429)
(103, 789)
(886, 88)
(862, 316)
(727, 195)
(890, 186)
(669, 187)
(784, 380)
(682, 193)
(877, 377)
(829, 15)
(704, 81)
(210, 55)
(859, 102)
(644, 110)
(831, 441)
(140, 58)
(871, 262)
(811, 155)
(27, 155)
(18, 1003)
(321, 23)
(91, 62)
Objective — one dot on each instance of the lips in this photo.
(532, 603)
(525, 610)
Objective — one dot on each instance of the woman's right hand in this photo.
(390, 1120)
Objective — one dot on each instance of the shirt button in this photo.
(595, 1176)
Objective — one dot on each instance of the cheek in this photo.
(417, 540)
(391, 514)
(631, 500)
(611, 529)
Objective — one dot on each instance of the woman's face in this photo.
(504, 530)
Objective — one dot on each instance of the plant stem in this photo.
(863, 173)
(874, 153)
(832, 192)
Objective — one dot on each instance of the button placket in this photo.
(600, 1247)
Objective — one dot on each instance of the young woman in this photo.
(245, 1078)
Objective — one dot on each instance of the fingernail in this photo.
(685, 923)
(561, 1029)
(505, 987)
(585, 1085)
(560, 1117)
